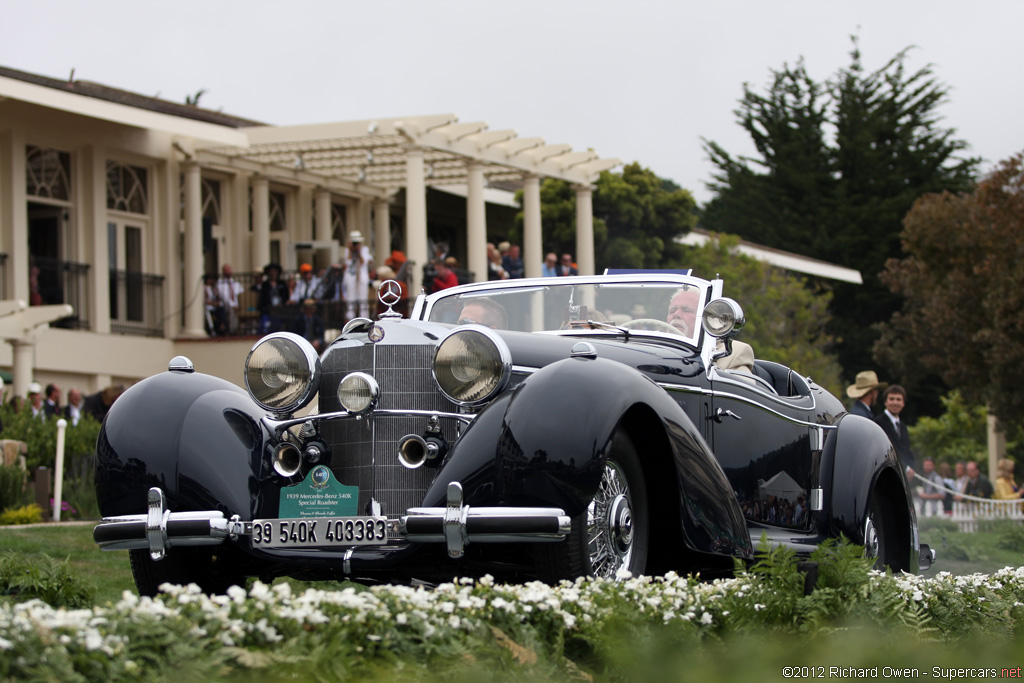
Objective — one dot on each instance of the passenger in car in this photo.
(484, 311)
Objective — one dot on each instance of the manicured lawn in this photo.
(958, 553)
(107, 571)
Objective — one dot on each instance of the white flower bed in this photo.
(108, 639)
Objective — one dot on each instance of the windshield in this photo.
(552, 304)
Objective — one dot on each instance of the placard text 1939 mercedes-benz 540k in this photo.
(536, 428)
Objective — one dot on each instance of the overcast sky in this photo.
(641, 81)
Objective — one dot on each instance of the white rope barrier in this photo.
(967, 510)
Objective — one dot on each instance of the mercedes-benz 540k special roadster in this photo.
(536, 428)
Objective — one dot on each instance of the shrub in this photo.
(12, 487)
(41, 436)
(27, 514)
(34, 575)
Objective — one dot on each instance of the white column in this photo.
(260, 222)
(322, 224)
(533, 247)
(93, 177)
(476, 224)
(381, 231)
(585, 229)
(24, 361)
(13, 213)
(415, 218)
(193, 251)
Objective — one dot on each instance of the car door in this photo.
(766, 444)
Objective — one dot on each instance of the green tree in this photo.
(637, 217)
(962, 284)
(786, 315)
(839, 164)
(960, 433)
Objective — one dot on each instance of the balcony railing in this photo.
(64, 282)
(136, 303)
(249, 320)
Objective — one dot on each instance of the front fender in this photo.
(544, 443)
(193, 435)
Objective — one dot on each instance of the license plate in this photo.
(319, 532)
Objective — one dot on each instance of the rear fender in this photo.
(193, 435)
(544, 443)
(862, 460)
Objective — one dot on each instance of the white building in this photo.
(118, 203)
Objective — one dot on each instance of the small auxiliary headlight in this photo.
(472, 365)
(721, 317)
(282, 372)
(358, 393)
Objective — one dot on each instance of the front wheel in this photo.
(180, 566)
(613, 533)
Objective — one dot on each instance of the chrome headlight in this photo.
(282, 372)
(472, 365)
(721, 317)
(358, 393)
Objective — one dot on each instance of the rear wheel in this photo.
(879, 532)
(180, 566)
(613, 533)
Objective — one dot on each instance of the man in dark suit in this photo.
(864, 391)
(51, 405)
(310, 325)
(566, 267)
(895, 400)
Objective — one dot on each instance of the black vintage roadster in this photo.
(537, 428)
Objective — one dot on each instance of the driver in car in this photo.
(682, 315)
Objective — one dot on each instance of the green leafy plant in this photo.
(27, 514)
(12, 487)
(41, 436)
(28, 576)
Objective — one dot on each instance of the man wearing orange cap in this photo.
(307, 287)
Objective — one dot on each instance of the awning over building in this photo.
(374, 152)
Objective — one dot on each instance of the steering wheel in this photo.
(652, 324)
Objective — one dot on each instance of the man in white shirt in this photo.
(229, 289)
(73, 411)
(356, 280)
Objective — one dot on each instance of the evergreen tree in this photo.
(839, 165)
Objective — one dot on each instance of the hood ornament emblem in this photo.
(389, 293)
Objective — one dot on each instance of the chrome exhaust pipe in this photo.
(287, 460)
(414, 450)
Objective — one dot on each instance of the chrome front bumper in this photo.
(457, 525)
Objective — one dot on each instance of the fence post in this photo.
(42, 485)
(58, 486)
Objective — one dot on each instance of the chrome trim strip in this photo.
(684, 389)
(279, 426)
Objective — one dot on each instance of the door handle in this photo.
(723, 413)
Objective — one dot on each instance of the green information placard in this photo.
(319, 495)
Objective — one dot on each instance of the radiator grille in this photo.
(365, 452)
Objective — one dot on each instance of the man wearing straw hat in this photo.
(864, 391)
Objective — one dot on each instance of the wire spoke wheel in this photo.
(612, 534)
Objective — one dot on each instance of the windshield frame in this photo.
(709, 290)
